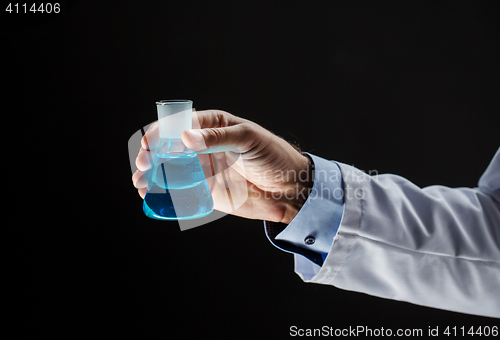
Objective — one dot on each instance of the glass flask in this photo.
(177, 187)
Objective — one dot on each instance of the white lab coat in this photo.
(436, 246)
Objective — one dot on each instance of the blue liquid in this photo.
(177, 189)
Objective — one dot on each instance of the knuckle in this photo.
(248, 136)
(248, 131)
(223, 118)
(218, 118)
(216, 135)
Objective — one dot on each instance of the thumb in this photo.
(232, 138)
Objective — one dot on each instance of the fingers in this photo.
(144, 159)
(201, 120)
(142, 192)
(215, 131)
(238, 138)
(140, 179)
(214, 118)
(151, 138)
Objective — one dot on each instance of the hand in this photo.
(267, 177)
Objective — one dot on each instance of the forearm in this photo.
(437, 246)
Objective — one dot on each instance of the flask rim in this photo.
(174, 102)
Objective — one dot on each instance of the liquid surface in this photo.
(177, 189)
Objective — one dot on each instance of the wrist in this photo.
(302, 186)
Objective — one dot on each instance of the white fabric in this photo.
(436, 246)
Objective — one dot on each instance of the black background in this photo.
(410, 88)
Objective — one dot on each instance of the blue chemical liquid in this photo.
(177, 189)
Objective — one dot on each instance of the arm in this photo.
(437, 246)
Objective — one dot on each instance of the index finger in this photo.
(214, 119)
(200, 120)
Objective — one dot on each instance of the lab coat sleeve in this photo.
(319, 217)
(437, 246)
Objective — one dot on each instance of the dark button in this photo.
(309, 240)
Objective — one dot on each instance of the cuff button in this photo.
(309, 240)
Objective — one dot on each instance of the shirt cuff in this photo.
(312, 230)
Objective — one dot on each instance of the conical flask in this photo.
(177, 187)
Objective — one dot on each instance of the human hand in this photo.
(266, 174)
